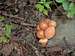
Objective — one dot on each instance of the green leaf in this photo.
(65, 5)
(72, 7)
(71, 11)
(3, 40)
(46, 5)
(39, 7)
(8, 29)
(2, 18)
(43, 1)
(45, 12)
(60, 1)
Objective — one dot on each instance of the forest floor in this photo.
(23, 15)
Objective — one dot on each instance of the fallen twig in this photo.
(16, 17)
(11, 16)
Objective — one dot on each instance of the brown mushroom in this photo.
(43, 42)
(43, 25)
(40, 34)
(49, 32)
(52, 23)
(45, 30)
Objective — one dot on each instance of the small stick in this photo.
(16, 17)
(12, 16)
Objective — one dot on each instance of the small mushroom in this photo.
(43, 25)
(52, 23)
(40, 34)
(49, 32)
(43, 42)
(45, 30)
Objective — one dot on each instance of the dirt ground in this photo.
(23, 15)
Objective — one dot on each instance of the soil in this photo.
(24, 16)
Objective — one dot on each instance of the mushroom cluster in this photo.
(45, 30)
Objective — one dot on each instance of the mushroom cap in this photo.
(46, 29)
(43, 25)
(50, 32)
(40, 34)
(43, 42)
(52, 23)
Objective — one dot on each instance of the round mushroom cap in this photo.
(43, 25)
(52, 23)
(40, 34)
(50, 32)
